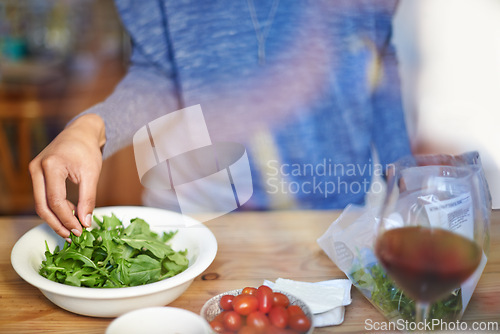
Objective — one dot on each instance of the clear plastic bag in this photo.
(350, 239)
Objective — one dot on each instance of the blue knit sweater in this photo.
(311, 109)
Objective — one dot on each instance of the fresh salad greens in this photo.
(113, 256)
(382, 292)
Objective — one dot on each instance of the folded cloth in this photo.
(326, 299)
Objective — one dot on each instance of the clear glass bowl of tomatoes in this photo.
(258, 310)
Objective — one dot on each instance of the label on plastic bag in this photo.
(343, 254)
(454, 214)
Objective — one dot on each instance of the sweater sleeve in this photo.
(148, 90)
(143, 95)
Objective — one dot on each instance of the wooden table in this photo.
(252, 247)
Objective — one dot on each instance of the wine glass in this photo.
(433, 228)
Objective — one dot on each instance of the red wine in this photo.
(427, 264)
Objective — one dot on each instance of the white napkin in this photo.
(326, 299)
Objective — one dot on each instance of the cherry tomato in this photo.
(258, 320)
(259, 311)
(265, 297)
(299, 323)
(294, 310)
(280, 299)
(217, 326)
(245, 304)
(220, 317)
(278, 316)
(226, 302)
(249, 290)
(232, 321)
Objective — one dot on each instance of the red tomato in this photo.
(249, 290)
(280, 299)
(226, 302)
(294, 310)
(258, 320)
(278, 316)
(265, 297)
(217, 326)
(232, 321)
(245, 304)
(220, 317)
(299, 323)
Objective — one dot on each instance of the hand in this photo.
(74, 155)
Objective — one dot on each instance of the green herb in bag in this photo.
(382, 292)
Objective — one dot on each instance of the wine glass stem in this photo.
(422, 311)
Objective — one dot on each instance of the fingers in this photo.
(86, 198)
(49, 175)
(74, 155)
(41, 204)
(55, 188)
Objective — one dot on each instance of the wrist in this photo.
(91, 124)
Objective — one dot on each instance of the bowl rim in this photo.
(25, 270)
(118, 322)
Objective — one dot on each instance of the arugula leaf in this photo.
(167, 236)
(113, 256)
(177, 262)
(111, 223)
(139, 236)
(144, 269)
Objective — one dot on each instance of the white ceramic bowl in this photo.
(28, 254)
(156, 320)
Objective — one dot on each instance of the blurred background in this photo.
(450, 65)
(59, 57)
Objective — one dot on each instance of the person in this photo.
(310, 89)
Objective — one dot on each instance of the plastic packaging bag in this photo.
(349, 244)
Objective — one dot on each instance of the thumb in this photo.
(86, 200)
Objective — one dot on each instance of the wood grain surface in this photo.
(253, 246)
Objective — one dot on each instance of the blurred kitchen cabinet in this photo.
(28, 118)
